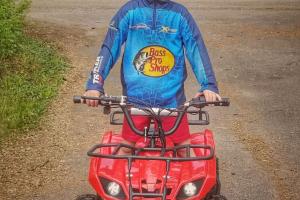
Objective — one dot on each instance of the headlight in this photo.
(190, 189)
(113, 189)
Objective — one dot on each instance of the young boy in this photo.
(155, 33)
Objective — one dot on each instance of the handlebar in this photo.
(122, 102)
(195, 102)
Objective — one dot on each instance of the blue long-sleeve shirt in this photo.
(157, 35)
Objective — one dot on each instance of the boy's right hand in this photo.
(92, 93)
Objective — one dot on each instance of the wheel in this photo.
(88, 197)
(215, 193)
(218, 186)
(217, 197)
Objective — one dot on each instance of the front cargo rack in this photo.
(96, 150)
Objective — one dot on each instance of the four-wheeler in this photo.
(154, 168)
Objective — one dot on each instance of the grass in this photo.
(30, 72)
(11, 27)
(26, 92)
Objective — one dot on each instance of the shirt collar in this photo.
(161, 2)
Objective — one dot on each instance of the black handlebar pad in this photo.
(111, 99)
(82, 99)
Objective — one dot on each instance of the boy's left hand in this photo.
(210, 96)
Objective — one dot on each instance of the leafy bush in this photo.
(11, 26)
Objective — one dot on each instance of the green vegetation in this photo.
(11, 27)
(30, 71)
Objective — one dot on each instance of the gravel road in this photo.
(254, 46)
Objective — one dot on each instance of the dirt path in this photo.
(254, 47)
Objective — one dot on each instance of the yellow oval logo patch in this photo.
(154, 61)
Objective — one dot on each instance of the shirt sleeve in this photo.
(197, 55)
(109, 51)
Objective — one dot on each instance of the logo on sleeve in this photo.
(154, 61)
(97, 78)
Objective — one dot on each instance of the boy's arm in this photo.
(197, 55)
(109, 52)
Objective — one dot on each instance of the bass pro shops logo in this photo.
(154, 61)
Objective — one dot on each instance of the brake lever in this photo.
(106, 110)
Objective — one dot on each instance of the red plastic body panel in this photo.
(149, 174)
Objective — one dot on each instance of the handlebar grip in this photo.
(77, 99)
(201, 101)
(224, 102)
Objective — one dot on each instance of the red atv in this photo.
(154, 169)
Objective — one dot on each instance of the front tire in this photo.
(215, 193)
(88, 197)
(217, 197)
